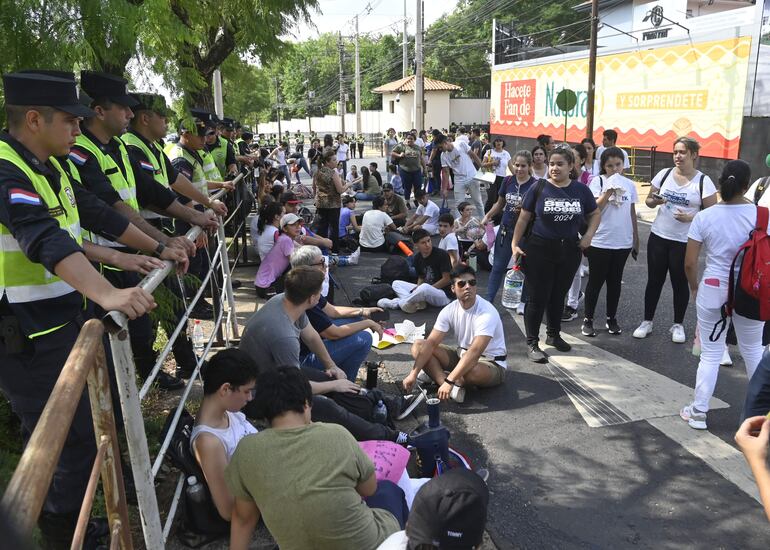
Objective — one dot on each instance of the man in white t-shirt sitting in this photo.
(426, 215)
(448, 240)
(378, 232)
(480, 358)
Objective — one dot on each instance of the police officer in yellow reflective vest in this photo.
(106, 169)
(223, 151)
(45, 273)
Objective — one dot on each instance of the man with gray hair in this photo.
(343, 329)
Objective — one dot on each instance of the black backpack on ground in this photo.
(395, 268)
(370, 295)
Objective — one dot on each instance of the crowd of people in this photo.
(93, 198)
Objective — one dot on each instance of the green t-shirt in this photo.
(411, 162)
(303, 482)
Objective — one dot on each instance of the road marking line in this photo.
(639, 393)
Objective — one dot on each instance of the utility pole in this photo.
(358, 86)
(218, 105)
(405, 59)
(342, 86)
(278, 108)
(419, 89)
(592, 69)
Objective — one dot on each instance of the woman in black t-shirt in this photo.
(559, 206)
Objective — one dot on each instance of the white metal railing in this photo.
(144, 471)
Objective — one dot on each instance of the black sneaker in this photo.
(588, 327)
(536, 354)
(558, 342)
(570, 314)
(203, 311)
(613, 327)
(167, 382)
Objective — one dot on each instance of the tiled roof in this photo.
(407, 85)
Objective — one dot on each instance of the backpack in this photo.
(750, 297)
(760, 190)
(370, 295)
(395, 268)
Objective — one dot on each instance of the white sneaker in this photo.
(644, 330)
(695, 418)
(412, 307)
(353, 259)
(457, 394)
(726, 361)
(424, 378)
(677, 334)
(520, 308)
(388, 303)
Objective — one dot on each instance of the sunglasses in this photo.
(461, 283)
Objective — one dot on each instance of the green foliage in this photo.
(248, 93)
(168, 303)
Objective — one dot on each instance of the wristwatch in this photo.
(159, 249)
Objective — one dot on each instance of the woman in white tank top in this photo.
(228, 385)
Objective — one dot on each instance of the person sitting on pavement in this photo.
(265, 228)
(432, 266)
(449, 511)
(342, 328)
(426, 215)
(291, 205)
(448, 240)
(229, 378)
(348, 224)
(378, 232)
(307, 479)
(273, 268)
(395, 180)
(272, 338)
(395, 205)
(371, 189)
(479, 360)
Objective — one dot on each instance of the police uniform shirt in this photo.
(40, 237)
(183, 166)
(229, 155)
(133, 151)
(243, 148)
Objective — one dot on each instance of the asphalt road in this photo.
(558, 483)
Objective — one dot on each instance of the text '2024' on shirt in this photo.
(559, 211)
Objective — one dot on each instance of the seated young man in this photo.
(433, 283)
(480, 358)
(341, 328)
(448, 240)
(395, 205)
(378, 233)
(307, 480)
(229, 378)
(272, 339)
(426, 215)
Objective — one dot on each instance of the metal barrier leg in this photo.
(125, 373)
(228, 283)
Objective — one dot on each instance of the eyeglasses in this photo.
(320, 264)
(462, 282)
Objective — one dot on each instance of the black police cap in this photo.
(45, 91)
(151, 102)
(114, 88)
(228, 123)
(247, 135)
(193, 123)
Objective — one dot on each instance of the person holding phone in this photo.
(616, 238)
(680, 192)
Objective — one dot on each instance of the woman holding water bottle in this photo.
(559, 205)
(509, 199)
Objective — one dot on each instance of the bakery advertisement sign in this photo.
(650, 97)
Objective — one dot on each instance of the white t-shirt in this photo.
(449, 243)
(350, 177)
(396, 541)
(598, 157)
(373, 227)
(504, 156)
(482, 319)
(686, 198)
(266, 240)
(721, 229)
(432, 211)
(616, 230)
(342, 151)
(458, 160)
(764, 200)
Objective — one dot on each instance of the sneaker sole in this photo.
(641, 337)
(697, 424)
(412, 406)
(589, 334)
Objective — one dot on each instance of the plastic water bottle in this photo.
(514, 284)
(198, 338)
(198, 509)
(380, 413)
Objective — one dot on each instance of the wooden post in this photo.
(592, 69)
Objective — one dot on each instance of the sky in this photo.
(385, 16)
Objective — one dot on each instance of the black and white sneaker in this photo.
(537, 355)
(570, 314)
(403, 439)
(588, 327)
(410, 403)
(613, 327)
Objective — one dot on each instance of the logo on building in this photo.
(656, 16)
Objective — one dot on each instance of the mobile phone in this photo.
(379, 315)
(657, 196)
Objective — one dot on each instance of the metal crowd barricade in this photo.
(145, 472)
(26, 493)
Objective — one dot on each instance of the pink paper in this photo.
(389, 459)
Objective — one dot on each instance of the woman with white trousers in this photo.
(720, 231)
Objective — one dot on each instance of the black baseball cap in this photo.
(151, 102)
(289, 198)
(387, 187)
(247, 135)
(114, 88)
(418, 193)
(450, 511)
(34, 88)
(227, 123)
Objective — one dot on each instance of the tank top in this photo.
(238, 428)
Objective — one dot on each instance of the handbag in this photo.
(444, 208)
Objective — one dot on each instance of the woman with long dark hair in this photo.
(719, 232)
(551, 253)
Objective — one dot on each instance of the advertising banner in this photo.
(650, 97)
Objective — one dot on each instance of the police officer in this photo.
(106, 169)
(223, 151)
(360, 141)
(44, 274)
(299, 142)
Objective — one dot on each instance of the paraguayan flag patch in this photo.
(22, 196)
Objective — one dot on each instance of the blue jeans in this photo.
(390, 497)
(348, 353)
(410, 180)
(365, 197)
(503, 255)
(758, 393)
